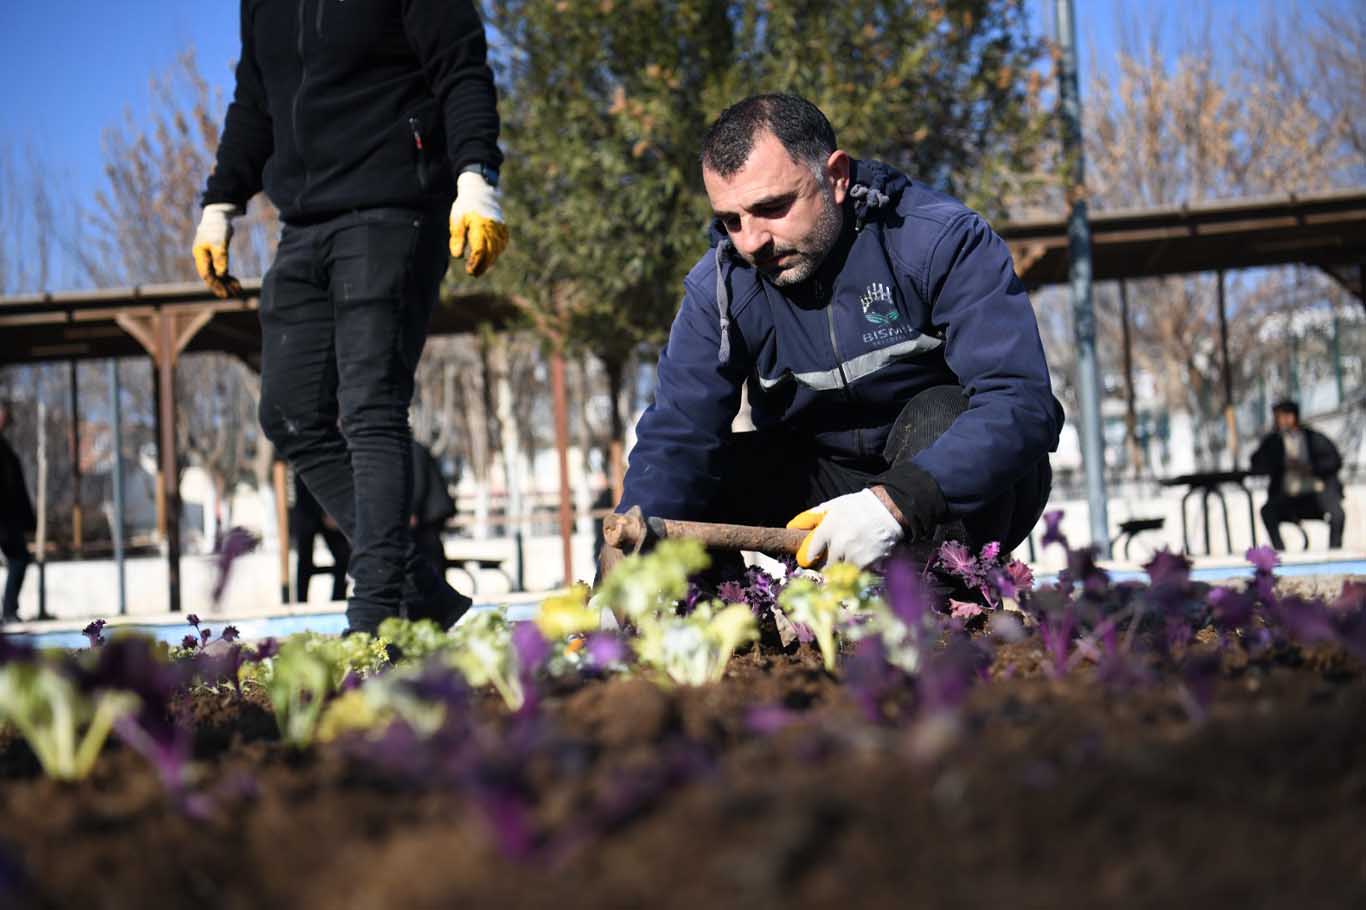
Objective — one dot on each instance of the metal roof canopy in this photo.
(1324, 230)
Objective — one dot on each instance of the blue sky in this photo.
(70, 68)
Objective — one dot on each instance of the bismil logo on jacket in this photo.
(878, 293)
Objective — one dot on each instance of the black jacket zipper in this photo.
(834, 342)
(423, 179)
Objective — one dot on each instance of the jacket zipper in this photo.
(303, 77)
(834, 342)
(839, 358)
(422, 177)
(318, 21)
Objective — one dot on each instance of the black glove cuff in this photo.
(917, 495)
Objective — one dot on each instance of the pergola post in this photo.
(1230, 416)
(562, 449)
(170, 473)
(77, 532)
(164, 335)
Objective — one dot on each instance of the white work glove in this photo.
(854, 528)
(211, 241)
(477, 223)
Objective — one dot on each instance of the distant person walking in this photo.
(432, 508)
(1303, 466)
(309, 520)
(17, 520)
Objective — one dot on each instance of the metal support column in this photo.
(1079, 254)
(116, 520)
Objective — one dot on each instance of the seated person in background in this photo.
(309, 520)
(432, 508)
(1303, 466)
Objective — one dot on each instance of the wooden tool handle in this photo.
(629, 531)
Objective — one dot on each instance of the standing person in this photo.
(432, 507)
(17, 520)
(1303, 467)
(892, 360)
(372, 125)
(308, 521)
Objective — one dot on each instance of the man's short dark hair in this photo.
(1286, 406)
(799, 125)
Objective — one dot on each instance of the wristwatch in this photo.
(490, 174)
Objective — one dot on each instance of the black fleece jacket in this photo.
(351, 104)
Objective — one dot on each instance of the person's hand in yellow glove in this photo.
(211, 241)
(478, 234)
(856, 528)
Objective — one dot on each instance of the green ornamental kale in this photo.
(65, 728)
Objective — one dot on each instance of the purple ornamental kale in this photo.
(765, 720)
(991, 552)
(870, 677)
(230, 634)
(1168, 569)
(732, 592)
(949, 673)
(189, 643)
(1231, 610)
(605, 649)
(908, 596)
(1052, 533)
(133, 664)
(236, 543)
(1263, 558)
(1055, 629)
(1020, 575)
(95, 633)
(532, 652)
(965, 609)
(958, 561)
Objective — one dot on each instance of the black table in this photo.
(1210, 484)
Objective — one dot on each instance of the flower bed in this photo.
(950, 739)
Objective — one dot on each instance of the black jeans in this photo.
(15, 549)
(344, 312)
(1306, 507)
(771, 476)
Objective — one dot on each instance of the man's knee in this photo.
(1270, 512)
(923, 420)
(290, 427)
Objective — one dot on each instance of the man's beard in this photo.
(803, 261)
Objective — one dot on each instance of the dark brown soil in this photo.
(1042, 794)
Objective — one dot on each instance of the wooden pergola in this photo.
(163, 322)
(1322, 230)
(1326, 231)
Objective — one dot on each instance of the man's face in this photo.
(1285, 420)
(782, 216)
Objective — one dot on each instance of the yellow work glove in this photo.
(211, 241)
(855, 528)
(477, 223)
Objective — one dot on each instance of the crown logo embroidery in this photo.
(874, 294)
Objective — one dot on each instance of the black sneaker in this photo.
(426, 595)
